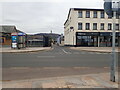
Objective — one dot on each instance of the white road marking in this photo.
(46, 56)
(66, 52)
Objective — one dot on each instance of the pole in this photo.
(113, 63)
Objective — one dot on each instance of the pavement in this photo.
(28, 49)
(96, 49)
(100, 80)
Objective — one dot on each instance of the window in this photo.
(109, 26)
(109, 17)
(87, 26)
(79, 26)
(95, 14)
(80, 15)
(102, 14)
(94, 26)
(102, 26)
(87, 14)
(117, 16)
(117, 26)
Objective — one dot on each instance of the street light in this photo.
(112, 8)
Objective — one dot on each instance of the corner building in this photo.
(90, 27)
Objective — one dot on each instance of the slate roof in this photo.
(8, 29)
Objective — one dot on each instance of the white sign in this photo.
(14, 45)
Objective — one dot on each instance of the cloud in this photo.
(42, 16)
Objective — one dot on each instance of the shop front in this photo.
(96, 39)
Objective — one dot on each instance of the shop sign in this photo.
(14, 34)
(14, 39)
(14, 45)
(105, 34)
(88, 33)
(21, 34)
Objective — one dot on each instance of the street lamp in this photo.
(112, 8)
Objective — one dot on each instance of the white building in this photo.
(90, 27)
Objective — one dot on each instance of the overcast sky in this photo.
(41, 16)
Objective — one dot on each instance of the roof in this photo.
(8, 29)
(91, 9)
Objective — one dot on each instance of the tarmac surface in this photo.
(60, 67)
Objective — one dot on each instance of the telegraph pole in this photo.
(113, 63)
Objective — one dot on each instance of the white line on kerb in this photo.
(66, 52)
(46, 56)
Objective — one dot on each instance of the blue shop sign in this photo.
(21, 34)
(14, 39)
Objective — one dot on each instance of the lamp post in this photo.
(111, 7)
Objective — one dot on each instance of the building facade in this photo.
(90, 27)
(5, 34)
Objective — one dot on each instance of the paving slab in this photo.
(29, 49)
(100, 80)
(96, 49)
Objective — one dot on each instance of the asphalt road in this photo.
(61, 61)
(58, 57)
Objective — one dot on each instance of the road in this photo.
(57, 62)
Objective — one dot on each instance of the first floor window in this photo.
(109, 26)
(117, 26)
(87, 26)
(102, 26)
(94, 26)
(79, 26)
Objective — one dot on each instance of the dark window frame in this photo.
(87, 14)
(95, 14)
(109, 26)
(102, 28)
(80, 14)
(80, 26)
(95, 28)
(102, 14)
(117, 27)
(87, 26)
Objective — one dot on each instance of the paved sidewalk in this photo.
(100, 80)
(30, 49)
(96, 49)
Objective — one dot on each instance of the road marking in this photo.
(46, 56)
(66, 52)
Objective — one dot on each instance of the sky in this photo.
(41, 16)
